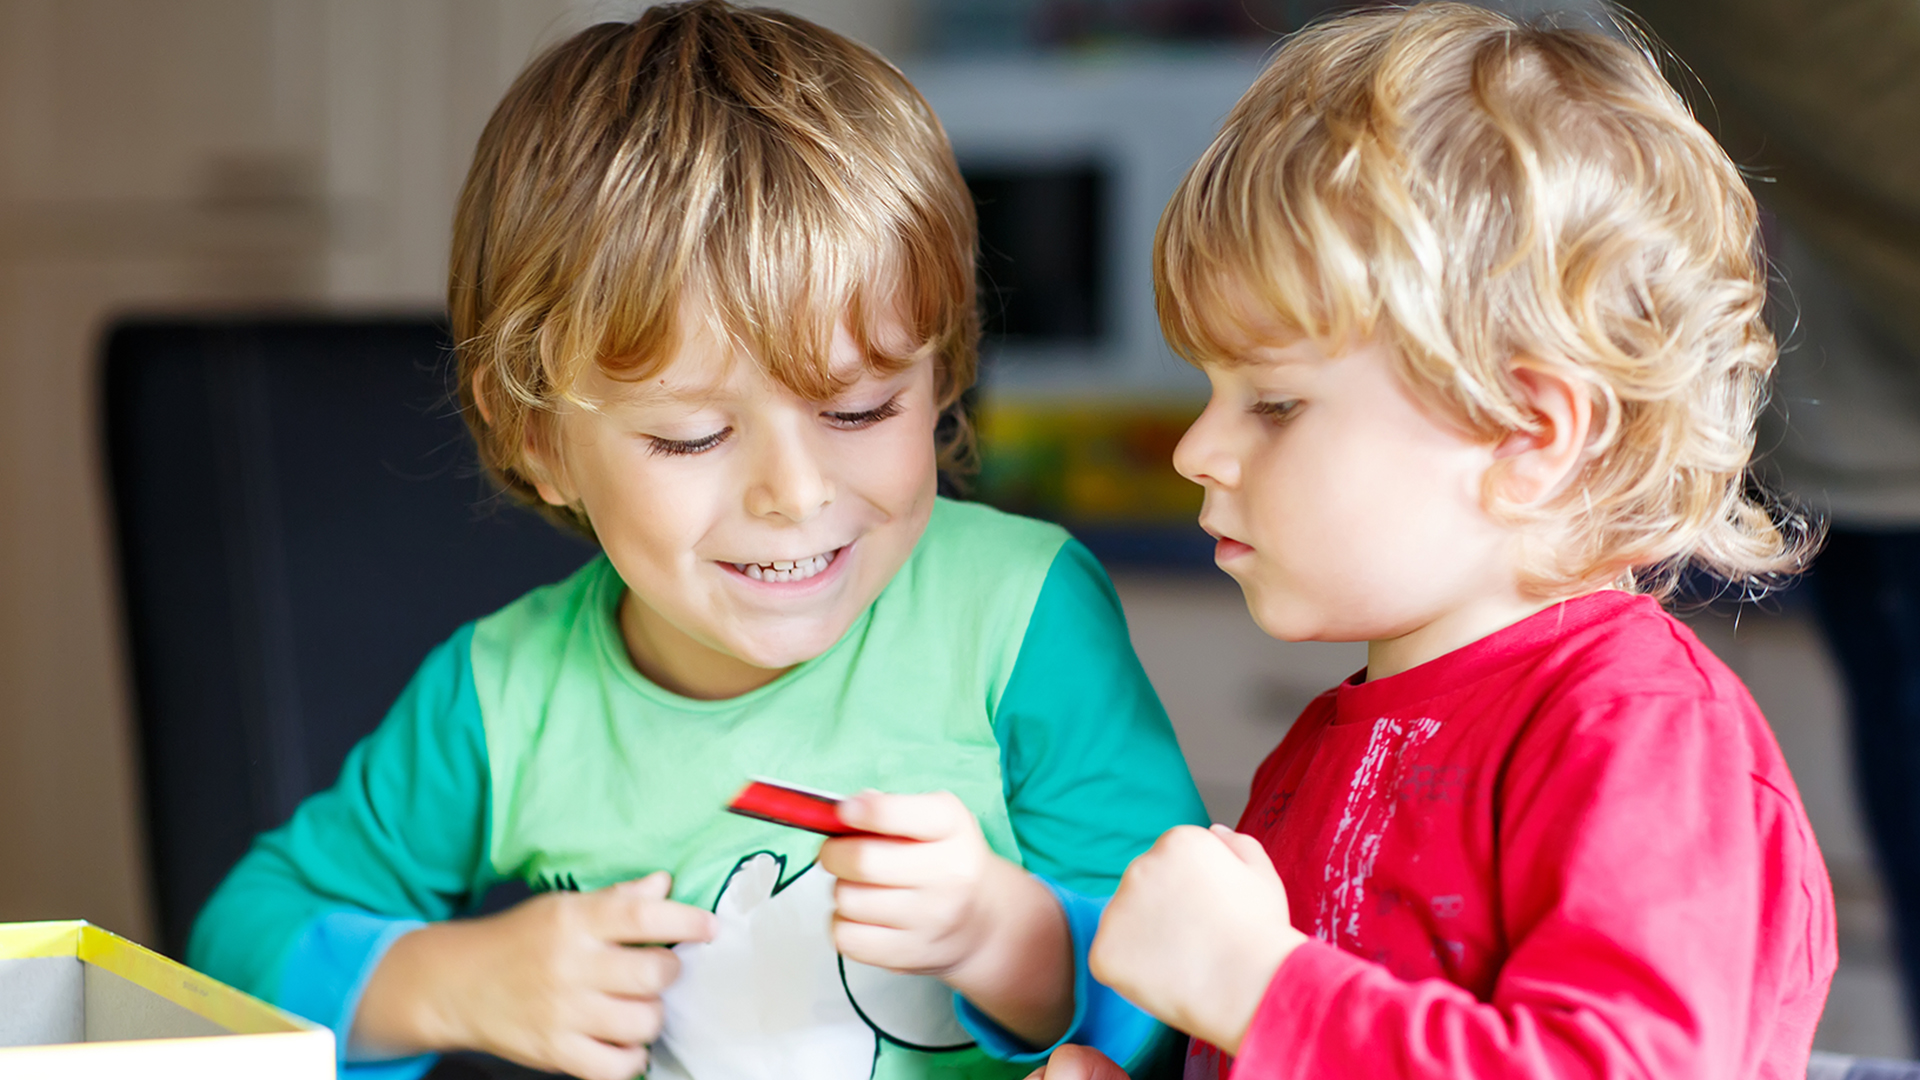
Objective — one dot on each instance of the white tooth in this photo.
(753, 572)
(783, 564)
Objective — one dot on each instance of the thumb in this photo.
(1248, 850)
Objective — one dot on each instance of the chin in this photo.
(778, 652)
(1283, 622)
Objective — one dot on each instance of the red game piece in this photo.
(797, 807)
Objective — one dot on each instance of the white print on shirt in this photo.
(768, 999)
(1371, 802)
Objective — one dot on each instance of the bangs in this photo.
(784, 316)
(1265, 241)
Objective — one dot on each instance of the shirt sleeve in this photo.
(1093, 773)
(1658, 896)
(400, 840)
(1102, 1018)
(1093, 776)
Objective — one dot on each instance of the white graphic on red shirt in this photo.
(1371, 802)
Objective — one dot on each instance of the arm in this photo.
(307, 915)
(1093, 775)
(343, 914)
(1643, 870)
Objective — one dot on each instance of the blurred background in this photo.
(160, 158)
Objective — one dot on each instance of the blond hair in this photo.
(746, 164)
(1481, 193)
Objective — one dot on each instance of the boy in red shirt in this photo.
(1481, 307)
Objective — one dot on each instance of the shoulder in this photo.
(546, 612)
(975, 558)
(1640, 685)
(969, 590)
(965, 535)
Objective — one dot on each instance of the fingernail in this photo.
(1219, 830)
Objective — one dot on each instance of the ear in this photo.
(546, 466)
(1535, 465)
(479, 388)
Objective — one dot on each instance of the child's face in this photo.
(750, 525)
(1345, 508)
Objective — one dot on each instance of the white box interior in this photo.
(60, 999)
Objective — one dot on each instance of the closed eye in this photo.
(683, 447)
(1277, 411)
(853, 421)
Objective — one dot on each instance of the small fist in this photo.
(1196, 931)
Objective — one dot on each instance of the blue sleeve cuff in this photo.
(327, 970)
(1102, 1018)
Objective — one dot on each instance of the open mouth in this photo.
(784, 571)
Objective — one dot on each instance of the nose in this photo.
(1203, 455)
(789, 480)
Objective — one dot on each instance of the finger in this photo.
(878, 905)
(896, 863)
(1081, 1063)
(590, 1059)
(635, 972)
(627, 1022)
(880, 946)
(1246, 849)
(635, 917)
(934, 816)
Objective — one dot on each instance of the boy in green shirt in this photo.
(713, 292)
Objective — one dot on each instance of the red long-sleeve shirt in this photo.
(1570, 849)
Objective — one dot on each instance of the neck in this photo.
(1452, 629)
(679, 664)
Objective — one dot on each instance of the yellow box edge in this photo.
(239, 1013)
(37, 940)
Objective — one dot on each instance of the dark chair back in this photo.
(300, 517)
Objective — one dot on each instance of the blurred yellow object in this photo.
(77, 1002)
(1102, 462)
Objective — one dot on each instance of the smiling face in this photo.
(1346, 509)
(751, 526)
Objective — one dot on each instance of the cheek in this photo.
(647, 504)
(897, 468)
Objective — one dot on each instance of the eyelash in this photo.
(851, 421)
(856, 420)
(1277, 411)
(678, 448)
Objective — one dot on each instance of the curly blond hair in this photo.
(769, 175)
(1480, 192)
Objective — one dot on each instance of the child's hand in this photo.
(555, 983)
(928, 897)
(1078, 1063)
(1196, 931)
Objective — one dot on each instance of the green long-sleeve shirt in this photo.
(995, 665)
